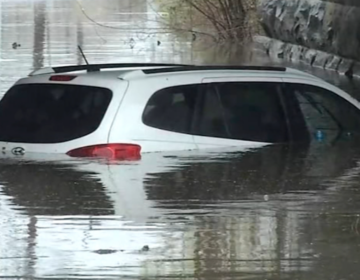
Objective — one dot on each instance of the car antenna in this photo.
(83, 55)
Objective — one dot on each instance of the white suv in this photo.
(122, 110)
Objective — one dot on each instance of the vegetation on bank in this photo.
(223, 20)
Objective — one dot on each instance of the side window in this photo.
(325, 111)
(243, 111)
(172, 108)
(209, 119)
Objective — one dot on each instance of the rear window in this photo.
(50, 113)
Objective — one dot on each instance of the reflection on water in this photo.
(274, 213)
(39, 34)
(268, 213)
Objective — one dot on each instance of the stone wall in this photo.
(322, 33)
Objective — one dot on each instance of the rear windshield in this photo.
(50, 113)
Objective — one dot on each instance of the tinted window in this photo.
(48, 113)
(242, 111)
(172, 108)
(326, 111)
(210, 119)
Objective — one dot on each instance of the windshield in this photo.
(51, 113)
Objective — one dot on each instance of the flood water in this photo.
(278, 212)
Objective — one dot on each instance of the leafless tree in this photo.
(227, 20)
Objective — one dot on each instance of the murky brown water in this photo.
(274, 213)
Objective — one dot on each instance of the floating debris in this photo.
(105, 251)
(145, 248)
(15, 45)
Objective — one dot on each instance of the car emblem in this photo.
(18, 151)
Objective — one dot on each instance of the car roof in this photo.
(128, 71)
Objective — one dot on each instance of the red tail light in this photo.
(62, 78)
(109, 151)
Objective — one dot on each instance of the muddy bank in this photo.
(322, 33)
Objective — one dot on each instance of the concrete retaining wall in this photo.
(322, 33)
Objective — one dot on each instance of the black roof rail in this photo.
(213, 67)
(98, 67)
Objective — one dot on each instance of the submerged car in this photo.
(122, 110)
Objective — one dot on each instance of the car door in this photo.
(240, 112)
(320, 112)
